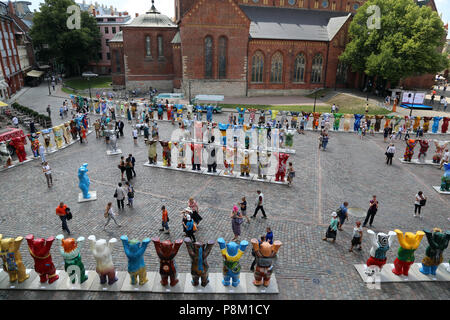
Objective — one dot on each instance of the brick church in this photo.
(240, 48)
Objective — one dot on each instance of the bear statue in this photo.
(102, 254)
(70, 251)
(445, 181)
(12, 259)
(437, 243)
(265, 253)
(409, 242)
(199, 253)
(135, 253)
(166, 251)
(231, 253)
(43, 264)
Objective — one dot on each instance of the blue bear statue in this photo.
(231, 253)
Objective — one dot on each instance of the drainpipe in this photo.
(326, 66)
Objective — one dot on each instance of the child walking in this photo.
(165, 220)
(357, 236)
(291, 174)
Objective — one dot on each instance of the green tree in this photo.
(56, 42)
(408, 43)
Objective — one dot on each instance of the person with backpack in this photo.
(120, 195)
(109, 214)
(420, 202)
(342, 213)
(64, 214)
(130, 194)
(194, 207)
(190, 228)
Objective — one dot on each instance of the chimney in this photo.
(125, 13)
(137, 14)
(120, 14)
(98, 12)
(93, 12)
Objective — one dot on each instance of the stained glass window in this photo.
(222, 57)
(316, 74)
(276, 74)
(257, 67)
(208, 57)
(299, 68)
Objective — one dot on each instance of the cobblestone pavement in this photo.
(306, 268)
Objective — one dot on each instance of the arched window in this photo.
(341, 73)
(160, 47)
(276, 72)
(316, 73)
(208, 57)
(299, 68)
(257, 67)
(148, 47)
(222, 58)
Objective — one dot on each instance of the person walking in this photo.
(243, 206)
(420, 202)
(48, 174)
(42, 153)
(122, 166)
(386, 133)
(236, 221)
(130, 194)
(325, 139)
(165, 220)
(129, 170)
(120, 194)
(260, 205)
(373, 208)
(290, 174)
(190, 228)
(357, 236)
(62, 211)
(120, 125)
(332, 228)
(194, 207)
(110, 214)
(390, 151)
(135, 135)
(133, 162)
(49, 111)
(342, 213)
(97, 128)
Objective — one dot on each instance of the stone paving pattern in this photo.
(306, 268)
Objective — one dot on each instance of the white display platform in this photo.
(116, 286)
(146, 287)
(271, 289)
(113, 153)
(416, 161)
(37, 285)
(414, 274)
(178, 288)
(152, 285)
(16, 163)
(210, 287)
(68, 285)
(4, 283)
(92, 198)
(236, 174)
(438, 190)
(241, 288)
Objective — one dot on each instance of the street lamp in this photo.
(89, 75)
(412, 106)
(315, 99)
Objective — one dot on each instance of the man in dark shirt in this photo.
(133, 161)
(373, 208)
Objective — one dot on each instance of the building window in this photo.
(316, 73)
(148, 48)
(333, 5)
(341, 73)
(100, 56)
(114, 30)
(106, 30)
(107, 42)
(347, 7)
(208, 57)
(160, 47)
(222, 58)
(257, 67)
(117, 61)
(291, 2)
(276, 70)
(299, 68)
(316, 4)
(355, 6)
(108, 56)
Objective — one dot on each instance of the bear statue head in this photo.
(39, 248)
(101, 246)
(410, 238)
(133, 245)
(440, 238)
(232, 248)
(265, 248)
(382, 239)
(69, 244)
(166, 247)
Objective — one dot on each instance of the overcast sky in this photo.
(167, 6)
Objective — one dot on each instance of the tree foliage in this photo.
(408, 43)
(72, 48)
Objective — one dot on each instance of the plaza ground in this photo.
(306, 268)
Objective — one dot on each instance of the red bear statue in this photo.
(40, 251)
(281, 169)
(18, 144)
(166, 251)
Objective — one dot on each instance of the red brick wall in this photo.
(181, 7)
(140, 67)
(118, 78)
(203, 20)
(341, 5)
(289, 50)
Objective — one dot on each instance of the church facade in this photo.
(240, 48)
